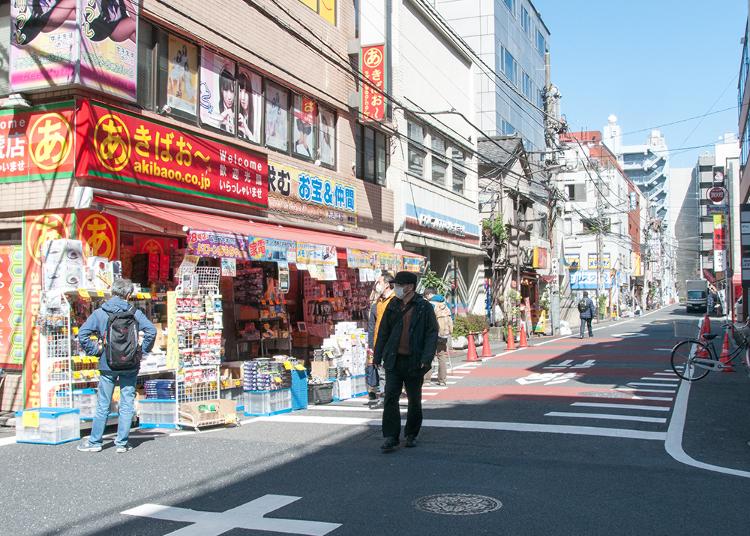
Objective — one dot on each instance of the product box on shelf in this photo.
(157, 413)
(342, 389)
(48, 426)
(265, 403)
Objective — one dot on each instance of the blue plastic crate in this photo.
(359, 385)
(267, 403)
(52, 426)
(299, 389)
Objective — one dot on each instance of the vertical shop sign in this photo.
(98, 233)
(173, 346)
(37, 230)
(44, 44)
(11, 306)
(373, 69)
(718, 242)
(109, 52)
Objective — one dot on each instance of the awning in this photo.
(201, 221)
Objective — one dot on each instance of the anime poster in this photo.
(44, 43)
(305, 117)
(277, 117)
(109, 50)
(217, 93)
(249, 106)
(327, 137)
(182, 76)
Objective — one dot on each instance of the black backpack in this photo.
(582, 306)
(121, 345)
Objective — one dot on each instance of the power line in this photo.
(677, 122)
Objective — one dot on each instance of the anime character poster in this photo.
(217, 92)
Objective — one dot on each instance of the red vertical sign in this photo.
(373, 69)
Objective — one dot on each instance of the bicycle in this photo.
(693, 359)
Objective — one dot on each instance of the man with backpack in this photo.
(586, 312)
(445, 330)
(115, 326)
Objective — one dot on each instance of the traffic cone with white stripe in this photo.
(725, 358)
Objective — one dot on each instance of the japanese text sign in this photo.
(237, 246)
(298, 193)
(357, 258)
(414, 264)
(98, 233)
(36, 144)
(316, 254)
(373, 69)
(118, 146)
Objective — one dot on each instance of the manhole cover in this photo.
(457, 504)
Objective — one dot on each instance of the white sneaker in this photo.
(121, 449)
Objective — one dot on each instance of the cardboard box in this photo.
(319, 369)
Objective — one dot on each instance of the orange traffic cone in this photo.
(725, 359)
(706, 327)
(471, 355)
(486, 350)
(522, 342)
(511, 339)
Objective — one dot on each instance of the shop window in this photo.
(304, 123)
(459, 181)
(417, 153)
(327, 137)
(372, 154)
(277, 117)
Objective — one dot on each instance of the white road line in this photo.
(438, 387)
(481, 425)
(646, 390)
(454, 377)
(7, 441)
(350, 408)
(661, 379)
(673, 444)
(653, 384)
(670, 373)
(604, 416)
(620, 406)
(429, 394)
(663, 398)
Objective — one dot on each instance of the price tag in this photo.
(277, 379)
(100, 293)
(83, 293)
(287, 365)
(146, 295)
(139, 295)
(30, 419)
(78, 359)
(299, 367)
(77, 375)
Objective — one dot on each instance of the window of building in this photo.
(507, 128)
(511, 5)
(745, 146)
(459, 181)
(304, 127)
(372, 157)
(540, 99)
(438, 144)
(510, 67)
(541, 43)
(543, 229)
(327, 137)
(277, 117)
(576, 192)
(10, 237)
(525, 20)
(417, 153)
(439, 170)
(526, 85)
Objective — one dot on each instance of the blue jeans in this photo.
(586, 322)
(107, 382)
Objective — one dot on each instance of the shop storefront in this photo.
(242, 304)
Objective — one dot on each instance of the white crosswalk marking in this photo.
(621, 406)
(653, 384)
(661, 379)
(605, 416)
(646, 390)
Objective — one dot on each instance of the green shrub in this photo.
(432, 280)
(463, 325)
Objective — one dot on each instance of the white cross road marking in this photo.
(586, 364)
(438, 387)
(605, 416)
(547, 378)
(646, 390)
(429, 394)
(652, 384)
(664, 398)
(564, 364)
(665, 374)
(625, 335)
(661, 379)
(248, 516)
(620, 406)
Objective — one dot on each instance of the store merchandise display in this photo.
(265, 375)
(157, 413)
(199, 326)
(264, 403)
(160, 389)
(328, 302)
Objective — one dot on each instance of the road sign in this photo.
(717, 195)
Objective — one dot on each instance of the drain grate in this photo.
(457, 504)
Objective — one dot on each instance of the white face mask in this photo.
(379, 288)
(399, 291)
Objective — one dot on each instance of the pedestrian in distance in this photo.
(445, 331)
(586, 312)
(383, 296)
(406, 345)
(116, 326)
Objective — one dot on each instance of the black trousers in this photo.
(395, 380)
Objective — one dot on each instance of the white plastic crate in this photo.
(260, 403)
(48, 426)
(342, 389)
(359, 385)
(157, 413)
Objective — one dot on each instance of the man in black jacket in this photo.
(406, 345)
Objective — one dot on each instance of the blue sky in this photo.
(649, 62)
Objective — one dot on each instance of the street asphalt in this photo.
(568, 437)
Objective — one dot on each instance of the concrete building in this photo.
(432, 163)
(511, 37)
(686, 223)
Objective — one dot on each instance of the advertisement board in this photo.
(373, 70)
(11, 306)
(217, 92)
(119, 146)
(182, 76)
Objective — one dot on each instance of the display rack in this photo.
(54, 349)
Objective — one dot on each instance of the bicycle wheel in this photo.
(682, 360)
